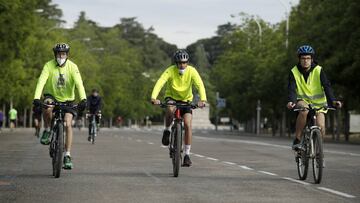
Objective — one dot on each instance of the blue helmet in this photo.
(306, 50)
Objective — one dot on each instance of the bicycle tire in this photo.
(177, 150)
(302, 163)
(317, 160)
(59, 149)
(93, 132)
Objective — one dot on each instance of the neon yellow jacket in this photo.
(60, 82)
(179, 87)
(12, 114)
(310, 91)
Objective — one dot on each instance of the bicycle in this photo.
(176, 135)
(311, 146)
(93, 127)
(57, 146)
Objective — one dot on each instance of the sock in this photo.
(167, 128)
(187, 149)
(67, 153)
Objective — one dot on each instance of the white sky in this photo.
(177, 22)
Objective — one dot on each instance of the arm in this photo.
(79, 83)
(41, 82)
(292, 97)
(160, 83)
(199, 85)
(327, 87)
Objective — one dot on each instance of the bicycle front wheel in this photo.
(58, 152)
(177, 150)
(93, 133)
(317, 160)
(302, 162)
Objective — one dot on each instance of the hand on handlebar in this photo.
(201, 104)
(337, 104)
(290, 105)
(155, 101)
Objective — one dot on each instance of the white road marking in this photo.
(229, 163)
(336, 192)
(268, 173)
(269, 145)
(198, 155)
(212, 159)
(296, 181)
(150, 143)
(246, 168)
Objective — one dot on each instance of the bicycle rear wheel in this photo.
(302, 162)
(57, 159)
(317, 160)
(176, 159)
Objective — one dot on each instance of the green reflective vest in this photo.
(310, 91)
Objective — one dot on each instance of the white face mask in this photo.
(182, 71)
(61, 61)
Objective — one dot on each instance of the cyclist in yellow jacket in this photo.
(179, 79)
(308, 84)
(58, 80)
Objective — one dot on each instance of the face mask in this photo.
(60, 61)
(181, 71)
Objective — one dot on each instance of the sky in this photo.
(177, 22)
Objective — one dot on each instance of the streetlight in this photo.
(253, 18)
(287, 14)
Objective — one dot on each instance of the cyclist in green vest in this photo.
(308, 84)
(12, 118)
(179, 79)
(58, 79)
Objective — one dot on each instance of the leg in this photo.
(301, 120)
(69, 131)
(320, 121)
(188, 135)
(168, 120)
(47, 117)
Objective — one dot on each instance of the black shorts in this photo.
(48, 97)
(183, 110)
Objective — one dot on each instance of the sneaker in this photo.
(89, 138)
(187, 161)
(296, 144)
(45, 138)
(67, 163)
(165, 138)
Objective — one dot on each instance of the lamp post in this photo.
(287, 14)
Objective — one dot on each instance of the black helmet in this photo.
(61, 47)
(181, 56)
(305, 50)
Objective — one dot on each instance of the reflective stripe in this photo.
(318, 96)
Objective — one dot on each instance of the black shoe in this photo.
(165, 139)
(296, 144)
(89, 138)
(187, 161)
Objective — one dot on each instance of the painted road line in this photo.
(246, 168)
(212, 159)
(296, 181)
(336, 192)
(229, 163)
(150, 143)
(268, 173)
(199, 155)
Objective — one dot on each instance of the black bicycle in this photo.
(311, 146)
(176, 136)
(58, 136)
(93, 127)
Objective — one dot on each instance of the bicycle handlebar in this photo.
(304, 108)
(178, 104)
(59, 104)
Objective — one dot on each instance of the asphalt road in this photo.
(130, 165)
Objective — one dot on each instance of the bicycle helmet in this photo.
(305, 50)
(61, 47)
(181, 56)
